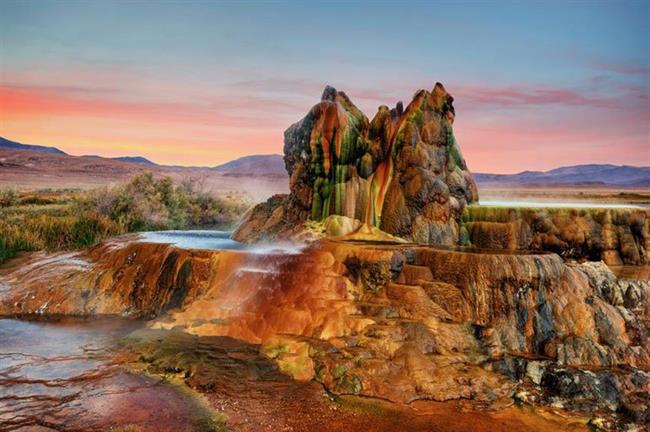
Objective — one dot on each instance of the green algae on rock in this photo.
(615, 235)
(395, 321)
(401, 172)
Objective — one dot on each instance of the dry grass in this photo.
(69, 219)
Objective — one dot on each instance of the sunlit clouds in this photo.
(198, 83)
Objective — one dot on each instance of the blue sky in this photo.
(536, 84)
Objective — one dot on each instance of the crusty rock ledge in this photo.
(394, 321)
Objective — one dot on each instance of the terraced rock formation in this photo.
(397, 322)
(402, 172)
(616, 236)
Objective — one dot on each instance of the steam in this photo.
(278, 248)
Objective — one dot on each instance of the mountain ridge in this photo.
(268, 163)
(582, 174)
(14, 145)
(591, 174)
(140, 160)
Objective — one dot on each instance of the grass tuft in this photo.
(62, 220)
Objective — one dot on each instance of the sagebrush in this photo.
(60, 220)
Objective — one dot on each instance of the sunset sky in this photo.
(536, 84)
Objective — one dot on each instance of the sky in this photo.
(536, 85)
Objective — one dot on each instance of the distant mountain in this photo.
(264, 165)
(130, 159)
(254, 165)
(135, 159)
(576, 175)
(605, 175)
(13, 145)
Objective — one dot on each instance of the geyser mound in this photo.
(401, 172)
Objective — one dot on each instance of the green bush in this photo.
(91, 229)
(8, 197)
(147, 203)
(69, 220)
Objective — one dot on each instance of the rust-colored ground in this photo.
(254, 396)
(303, 407)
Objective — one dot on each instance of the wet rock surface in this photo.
(256, 395)
(63, 375)
(121, 277)
(616, 236)
(398, 322)
(84, 375)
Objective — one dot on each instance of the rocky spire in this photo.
(329, 94)
(402, 172)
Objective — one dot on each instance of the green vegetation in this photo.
(8, 197)
(146, 203)
(504, 214)
(68, 219)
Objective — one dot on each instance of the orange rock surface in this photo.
(402, 172)
(398, 322)
(616, 236)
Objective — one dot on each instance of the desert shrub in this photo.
(52, 231)
(51, 220)
(205, 210)
(27, 233)
(58, 232)
(147, 203)
(91, 229)
(36, 200)
(14, 239)
(6, 249)
(8, 197)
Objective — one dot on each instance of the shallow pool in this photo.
(550, 204)
(58, 375)
(194, 239)
(218, 240)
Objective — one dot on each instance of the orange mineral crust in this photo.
(401, 172)
(399, 322)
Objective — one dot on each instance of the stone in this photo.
(401, 172)
(616, 236)
(396, 321)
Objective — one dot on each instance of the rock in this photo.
(115, 277)
(401, 172)
(291, 355)
(337, 225)
(396, 321)
(329, 94)
(450, 298)
(535, 371)
(615, 236)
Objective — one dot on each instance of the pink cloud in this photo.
(506, 143)
(252, 112)
(194, 125)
